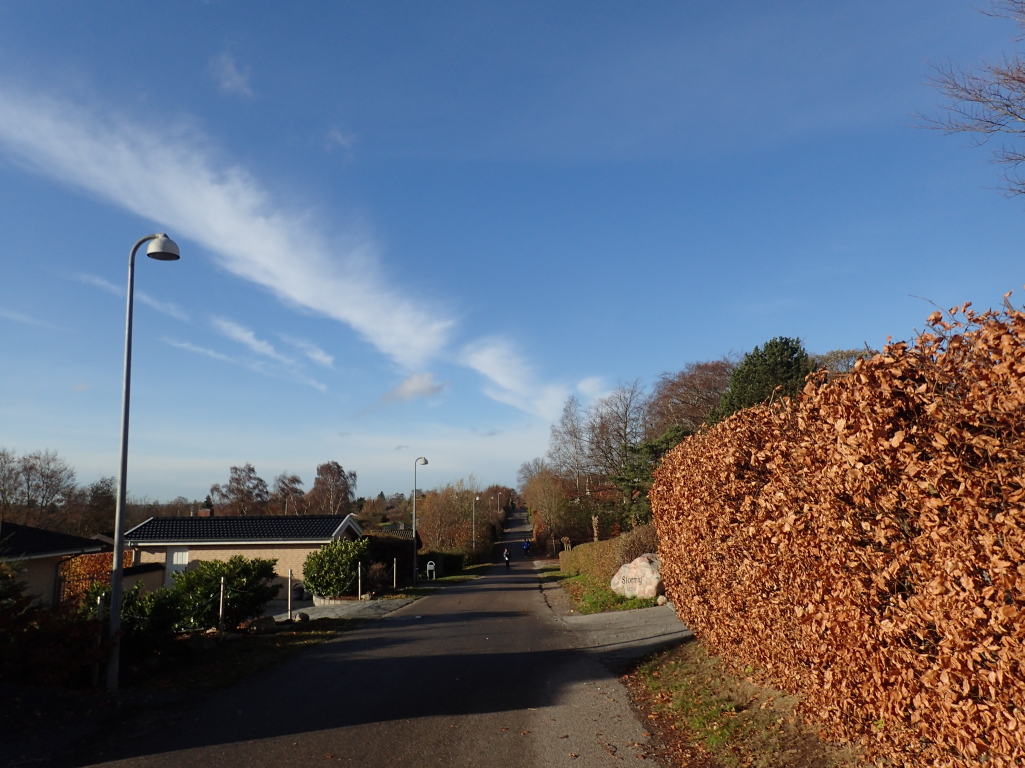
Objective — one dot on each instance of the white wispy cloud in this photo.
(512, 379)
(229, 76)
(311, 350)
(416, 386)
(257, 366)
(592, 388)
(337, 138)
(165, 307)
(227, 211)
(247, 338)
(197, 350)
(103, 285)
(21, 317)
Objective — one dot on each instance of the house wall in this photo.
(40, 576)
(288, 556)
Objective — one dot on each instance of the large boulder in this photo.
(640, 578)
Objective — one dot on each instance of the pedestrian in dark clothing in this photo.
(506, 556)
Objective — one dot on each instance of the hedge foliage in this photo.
(601, 559)
(864, 546)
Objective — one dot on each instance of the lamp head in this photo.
(163, 248)
(422, 460)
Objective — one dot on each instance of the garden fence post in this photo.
(220, 620)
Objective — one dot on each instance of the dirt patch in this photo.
(705, 717)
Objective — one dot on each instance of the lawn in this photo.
(590, 595)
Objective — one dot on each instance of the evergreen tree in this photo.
(781, 363)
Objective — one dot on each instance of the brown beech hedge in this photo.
(863, 545)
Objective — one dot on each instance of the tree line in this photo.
(593, 481)
(40, 489)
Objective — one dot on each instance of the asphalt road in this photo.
(480, 674)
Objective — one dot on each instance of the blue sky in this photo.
(415, 228)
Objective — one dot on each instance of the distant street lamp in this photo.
(420, 460)
(474, 523)
(162, 248)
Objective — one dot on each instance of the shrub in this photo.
(331, 571)
(598, 559)
(632, 544)
(143, 615)
(247, 592)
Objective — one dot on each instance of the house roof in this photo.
(262, 529)
(23, 542)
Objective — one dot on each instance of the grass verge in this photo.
(593, 596)
(692, 701)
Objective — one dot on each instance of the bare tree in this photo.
(528, 469)
(245, 493)
(289, 494)
(10, 481)
(614, 423)
(334, 490)
(989, 102)
(685, 398)
(568, 445)
(546, 499)
(45, 479)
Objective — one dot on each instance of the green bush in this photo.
(198, 591)
(331, 571)
(143, 615)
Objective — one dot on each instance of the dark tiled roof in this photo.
(263, 528)
(23, 541)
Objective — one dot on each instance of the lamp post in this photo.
(161, 248)
(421, 460)
(474, 523)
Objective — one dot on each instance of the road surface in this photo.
(479, 674)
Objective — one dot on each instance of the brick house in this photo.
(178, 543)
(40, 554)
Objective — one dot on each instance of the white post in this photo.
(220, 620)
(395, 573)
(289, 594)
(359, 581)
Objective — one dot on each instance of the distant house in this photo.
(178, 543)
(40, 554)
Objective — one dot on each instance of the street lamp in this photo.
(474, 523)
(420, 460)
(161, 248)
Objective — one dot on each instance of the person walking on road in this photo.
(505, 555)
(526, 547)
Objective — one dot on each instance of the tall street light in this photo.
(161, 248)
(474, 523)
(420, 460)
